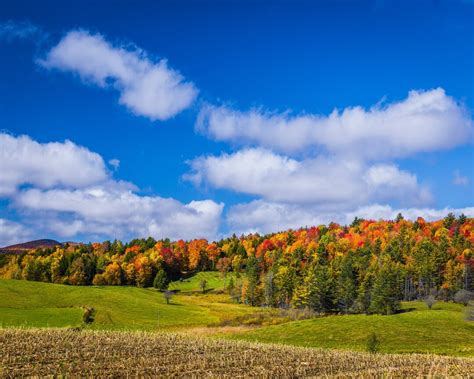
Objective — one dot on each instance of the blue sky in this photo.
(253, 146)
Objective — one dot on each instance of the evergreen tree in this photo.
(346, 287)
(161, 281)
(320, 289)
(385, 294)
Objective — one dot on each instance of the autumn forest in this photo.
(366, 267)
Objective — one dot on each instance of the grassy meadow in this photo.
(35, 304)
(416, 329)
(441, 330)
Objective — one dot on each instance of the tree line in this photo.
(366, 267)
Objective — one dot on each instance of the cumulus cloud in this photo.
(12, 232)
(148, 88)
(423, 122)
(24, 161)
(65, 189)
(266, 217)
(105, 210)
(325, 180)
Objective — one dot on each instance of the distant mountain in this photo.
(30, 245)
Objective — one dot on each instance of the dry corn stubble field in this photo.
(59, 352)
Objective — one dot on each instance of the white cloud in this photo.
(25, 161)
(460, 180)
(267, 217)
(147, 88)
(386, 212)
(117, 212)
(330, 181)
(12, 232)
(63, 188)
(425, 121)
(115, 163)
(12, 30)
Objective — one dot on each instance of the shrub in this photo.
(430, 301)
(89, 315)
(373, 343)
(168, 295)
(203, 285)
(463, 297)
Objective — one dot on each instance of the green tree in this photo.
(161, 281)
(346, 287)
(320, 289)
(385, 294)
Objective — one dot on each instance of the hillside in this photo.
(416, 329)
(442, 330)
(30, 245)
(31, 304)
(367, 267)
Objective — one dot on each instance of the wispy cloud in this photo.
(115, 163)
(460, 180)
(20, 30)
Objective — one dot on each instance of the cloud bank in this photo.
(268, 217)
(66, 189)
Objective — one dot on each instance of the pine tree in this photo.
(320, 289)
(385, 293)
(160, 282)
(346, 288)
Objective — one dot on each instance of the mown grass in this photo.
(441, 330)
(36, 304)
(64, 353)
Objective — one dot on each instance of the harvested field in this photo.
(41, 352)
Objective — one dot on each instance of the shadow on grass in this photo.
(406, 310)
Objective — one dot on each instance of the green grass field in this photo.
(441, 330)
(35, 304)
(214, 281)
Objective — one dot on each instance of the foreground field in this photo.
(441, 330)
(55, 352)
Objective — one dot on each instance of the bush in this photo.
(89, 315)
(430, 301)
(203, 285)
(463, 297)
(168, 295)
(373, 343)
